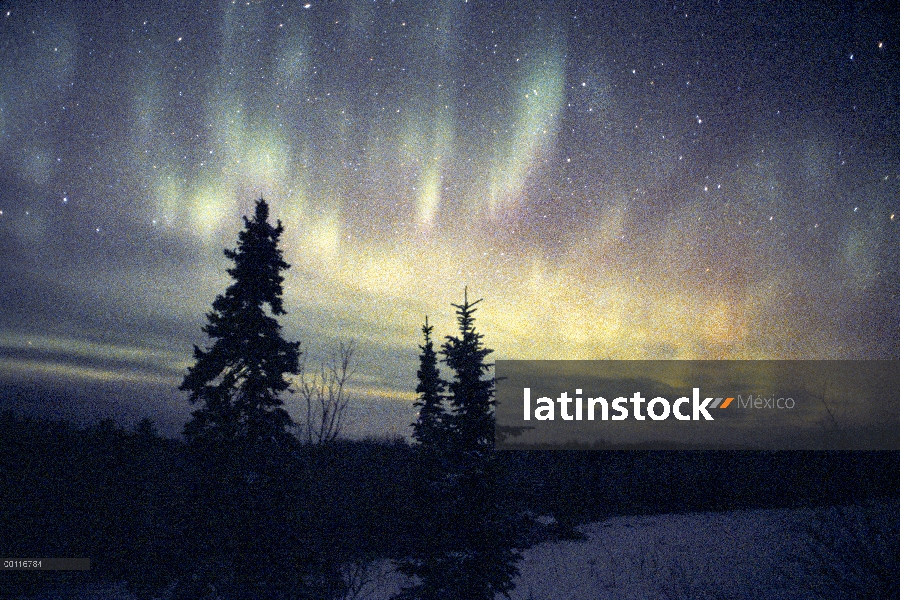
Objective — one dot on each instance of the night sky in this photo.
(618, 180)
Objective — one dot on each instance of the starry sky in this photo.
(637, 180)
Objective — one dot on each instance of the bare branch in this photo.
(325, 395)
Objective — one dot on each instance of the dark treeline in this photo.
(148, 513)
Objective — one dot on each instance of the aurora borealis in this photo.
(616, 180)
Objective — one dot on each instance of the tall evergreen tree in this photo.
(472, 389)
(428, 429)
(238, 379)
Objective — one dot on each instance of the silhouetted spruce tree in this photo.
(472, 389)
(238, 380)
(429, 428)
(429, 488)
(468, 551)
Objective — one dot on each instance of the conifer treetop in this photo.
(258, 261)
(471, 392)
(239, 378)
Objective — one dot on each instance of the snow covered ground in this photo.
(668, 556)
(753, 554)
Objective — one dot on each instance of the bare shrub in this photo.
(324, 394)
